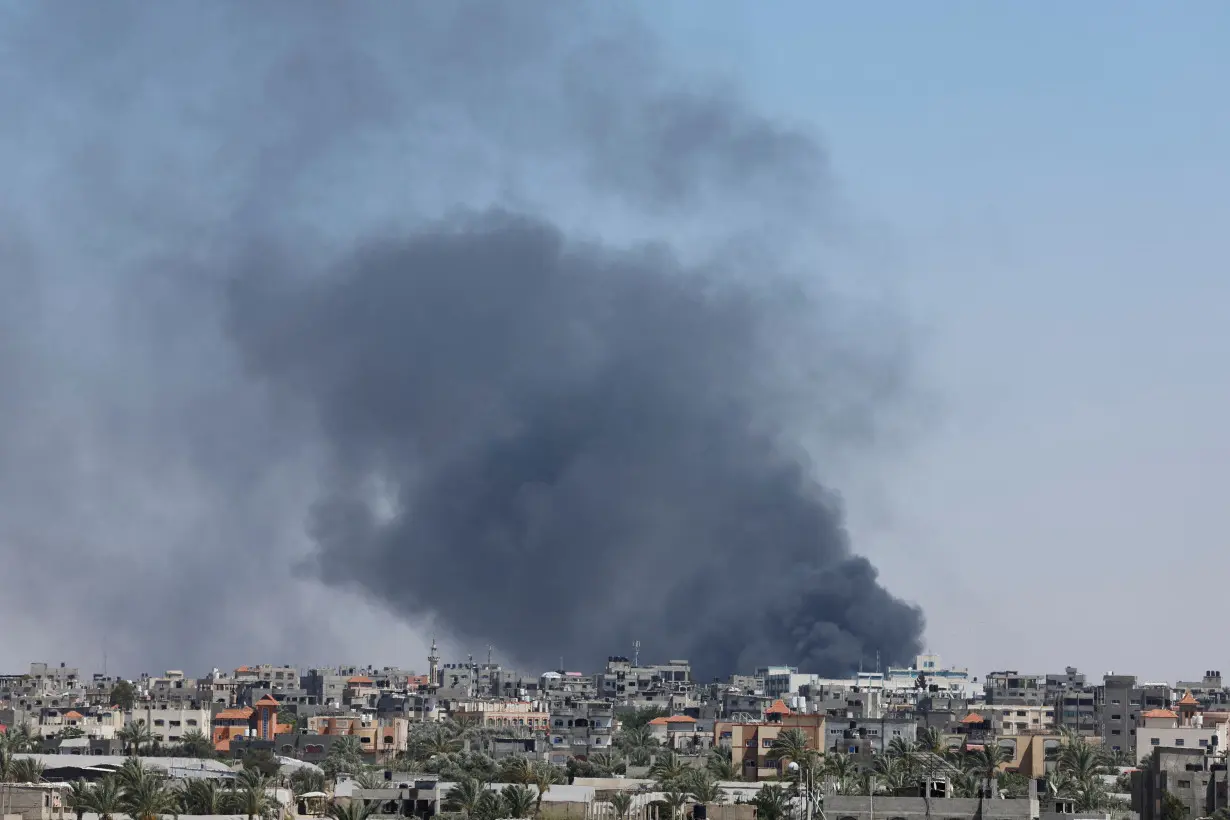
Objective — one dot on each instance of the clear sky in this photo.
(1052, 183)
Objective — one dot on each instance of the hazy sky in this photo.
(1043, 188)
(1052, 182)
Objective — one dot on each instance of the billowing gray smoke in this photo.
(488, 301)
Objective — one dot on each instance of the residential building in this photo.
(168, 723)
(1017, 720)
(527, 715)
(1120, 702)
(868, 736)
(750, 743)
(1013, 688)
(581, 728)
(1193, 775)
(1186, 728)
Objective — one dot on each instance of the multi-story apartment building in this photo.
(168, 723)
(1009, 720)
(503, 714)
(580, 728)
(1013, 688)
(1186, 728)
(1121, 702)
(751, 743)
(622, 681)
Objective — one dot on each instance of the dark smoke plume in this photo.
(484, 309)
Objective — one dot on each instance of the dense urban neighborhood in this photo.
(634, 739)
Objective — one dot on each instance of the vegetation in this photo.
(135, 736)
(124, 695)
(621, 802)
(772, 802)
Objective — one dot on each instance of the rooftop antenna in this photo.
(490, 649)
(877, 661)
(636, 653)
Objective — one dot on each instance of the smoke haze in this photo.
(486, 318)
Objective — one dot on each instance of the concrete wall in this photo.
(890, 808)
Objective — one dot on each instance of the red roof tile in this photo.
(778, 708)
(1160, 713)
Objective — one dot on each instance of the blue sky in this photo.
(1048, 185)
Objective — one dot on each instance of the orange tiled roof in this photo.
(680, 719)
(778, 708)
(360, 679)
(659, 721)
(1188, 700)
(267, 700)
(241, 713)
(243, 669)
(72, 715)
(1160, 713)
(973, 717)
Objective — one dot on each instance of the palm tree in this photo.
(519, 801)
(490, 806)
(21, 740)
(667, 769)
(890, 771)
(307, 780)
(368, 779)
(675, 800)
(772, 802)
(703, 786)
(608, 762)
(441, 740)
(251, 794)
(350, 810)
(135, 735)
(150, 800)
(78, 798)
(70, 733)
(133, 774)
(196, 744)
(202, 797)
(516, 770)
(840, 768)
(789, 745)
(621, 802)
(987, 762)
(637, 742)
(719, 763)
(463, 797)
(106, 798)
(26, 770)
(542, 778)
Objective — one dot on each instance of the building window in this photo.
(1178, 741)
(1114, 731)
(1155, 741)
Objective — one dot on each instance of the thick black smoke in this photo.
(425, 293)
(564, 447)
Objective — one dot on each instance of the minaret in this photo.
(433, 667)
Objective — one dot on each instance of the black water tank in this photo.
(698, 811)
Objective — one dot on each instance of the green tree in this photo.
(78, 797)
(1013, 785)
(263, 761)
(703, 786)
(134, 774)
(349, 810)
(250, 796)
(621, 804)
(134, 736)
(20, 740)
(720, 765)
(150, 800)
(640, 717)
(26, 770)
(70, 733)
(987, 762)
(106, 798)
(668, 768)
(124, 695)
(637, 742)
(464, 796)
(789, 745)
(1172, 807)
(201, 796)
(306, 780)
(288, 717)
(772, 802)
(519, 800)
(675, 800)
(543, 778)
(196, 744)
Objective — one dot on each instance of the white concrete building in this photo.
(168, 723)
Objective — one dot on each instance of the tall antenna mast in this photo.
(636, 653)
(490, 649)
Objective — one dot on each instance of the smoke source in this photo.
(489, 301)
